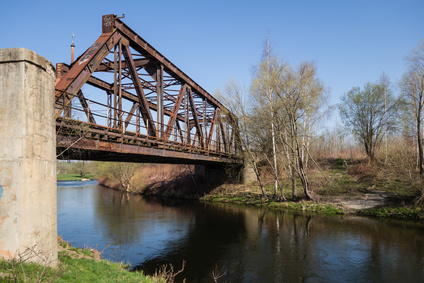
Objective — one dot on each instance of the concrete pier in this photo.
(215, 175)
(28, 204)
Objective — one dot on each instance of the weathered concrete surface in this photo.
(28, 203)
(248, 174)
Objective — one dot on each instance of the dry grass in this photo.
(169, 180)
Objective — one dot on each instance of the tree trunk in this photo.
(301, 170)
(420, 142)
(292, 164)
(258, 177)
(274, 155)
(255, 168)
(293, 179)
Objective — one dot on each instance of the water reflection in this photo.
(252, 245)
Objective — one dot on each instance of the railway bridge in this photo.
(121, 100)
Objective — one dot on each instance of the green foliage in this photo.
(367, 112)
(71, 269)
(257, 200)
(90, 270)
(121, 172)
(82, 168)
(73, 177)
(115, 170)
(403, 212)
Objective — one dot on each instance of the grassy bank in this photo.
(412, 212)
(256, 200)
(73, 177)
(74, 265)
(340, 187)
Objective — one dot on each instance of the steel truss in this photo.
(124, 96)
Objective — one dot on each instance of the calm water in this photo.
(248, 244)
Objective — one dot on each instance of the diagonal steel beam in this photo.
(96, 82)
(144, 48)
(81, 70)
(224, 139)
(130, 114)
(195, 117)
(85, 106)
(174, 114)
(144, 107)
(179, 130)
(215, 115)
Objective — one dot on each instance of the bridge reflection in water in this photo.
(122, 100)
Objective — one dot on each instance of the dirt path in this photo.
(367, 201)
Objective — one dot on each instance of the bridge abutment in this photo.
(28, 202)
(217, 174)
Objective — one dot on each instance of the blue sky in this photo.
(351, 42)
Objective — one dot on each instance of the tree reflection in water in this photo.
(251, 244)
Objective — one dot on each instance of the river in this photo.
(246, 244)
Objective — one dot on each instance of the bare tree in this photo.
(368, 113)
(301, 95)
(236, 100)
(263, 91)
(120, 171)
(412, 89)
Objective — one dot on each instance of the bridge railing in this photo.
(80, 123)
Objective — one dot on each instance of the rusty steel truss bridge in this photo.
(122, 100)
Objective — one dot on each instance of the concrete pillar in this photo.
(28, 203)
(248, 174)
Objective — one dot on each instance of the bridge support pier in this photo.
(28, 202)
(217, 174)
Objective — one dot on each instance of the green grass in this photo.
(402, 212)
(71, 269)
(340, 181)
(256, 200)
(73, 177)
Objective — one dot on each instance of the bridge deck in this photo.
(100, 143)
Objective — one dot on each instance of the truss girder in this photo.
(144, 83)
(78, 75)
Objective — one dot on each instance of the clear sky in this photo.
(351, 42)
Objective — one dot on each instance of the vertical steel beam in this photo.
(120, 85)
(205, 127)
(115, 87)
(224, 140)
(187, 114)
(109, 106)
(159, 93)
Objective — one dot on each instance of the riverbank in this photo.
(74, 265)
(365, 206)
(339, 186)
(74, 177)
